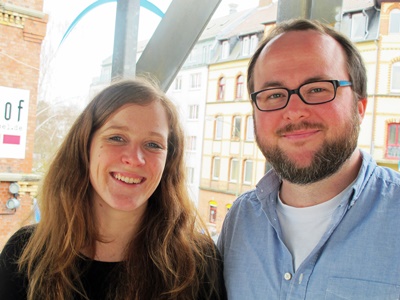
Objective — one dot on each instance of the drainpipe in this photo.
(375, 92)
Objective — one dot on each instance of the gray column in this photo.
(125, 39)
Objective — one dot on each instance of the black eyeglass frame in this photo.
(335, 83)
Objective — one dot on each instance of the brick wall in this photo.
(10, 220)
(22, 30)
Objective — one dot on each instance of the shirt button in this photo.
(287, 276)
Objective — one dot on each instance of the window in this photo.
(393, 141)
(248, 171)
(195, 81)
(250, 129)
(178, 83)
(221, 88)
(234, 174)
(218, 128)
(216, 167)
(192, 55)
(253, 43)
(236, 126)
(267, 167)
(225, 49)
(193, 112)
(246, 46)
(191, 143)
(358, 26)
(190, 174)
(394, 21)
(239, 86)
(205, 54)
(395, 81)
(213, 212)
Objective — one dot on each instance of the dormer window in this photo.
(358, 26)
(225, 50)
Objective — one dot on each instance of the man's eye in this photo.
(316, 90)
(275, 96)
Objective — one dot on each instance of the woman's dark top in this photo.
(96, 278)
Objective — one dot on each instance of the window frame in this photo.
(394, 16)
(245, 171)
(393, 144)
(234, 167)
(249, 128)
(218, 127)
(395, 77)
(216, 167)
(239, 87)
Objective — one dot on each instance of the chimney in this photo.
(262, 3)
(232, 8)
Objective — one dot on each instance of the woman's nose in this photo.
(133, 156)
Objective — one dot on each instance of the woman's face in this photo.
(127, 158)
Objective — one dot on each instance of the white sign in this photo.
(14, 106)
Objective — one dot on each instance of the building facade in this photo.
(231, 162)
(22, 29)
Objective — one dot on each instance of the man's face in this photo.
(306, 143)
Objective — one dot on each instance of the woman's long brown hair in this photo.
(167, 259)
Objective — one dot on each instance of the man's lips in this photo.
(300, 134)
(301, 130)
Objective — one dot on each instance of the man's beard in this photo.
(326, 161)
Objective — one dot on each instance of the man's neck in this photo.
(318, 192)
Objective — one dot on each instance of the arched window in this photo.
(248, 171)
(393, 141)
(234, 170)
(394, 21)
(236, 127)
(395, 78)
(221, 88)
(239, 86)
(219, 122)
(250, 129)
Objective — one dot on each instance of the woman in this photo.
(116, 219)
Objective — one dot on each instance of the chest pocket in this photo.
(355, 289)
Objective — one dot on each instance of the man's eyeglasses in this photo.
(312, 93)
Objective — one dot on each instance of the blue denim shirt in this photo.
(358, 257)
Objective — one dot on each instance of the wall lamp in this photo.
(13, 203)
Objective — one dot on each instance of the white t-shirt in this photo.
(302, 228)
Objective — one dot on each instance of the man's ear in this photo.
(361, 107)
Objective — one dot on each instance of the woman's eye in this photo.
(154, 145)
(116, 138)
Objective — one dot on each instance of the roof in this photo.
(220, 25)
(254, 21)
(354, 5)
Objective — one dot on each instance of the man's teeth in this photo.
(127, 179)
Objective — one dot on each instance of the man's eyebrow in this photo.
(273, 84)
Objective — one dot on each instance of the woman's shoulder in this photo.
(18, 240)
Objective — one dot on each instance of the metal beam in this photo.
(174, 38)
(125, 39)
(321, 10)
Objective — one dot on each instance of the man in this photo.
(324, 223)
